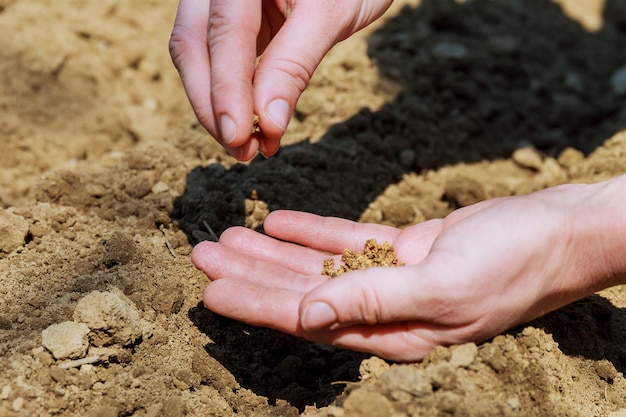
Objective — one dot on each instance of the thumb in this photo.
(374, 296)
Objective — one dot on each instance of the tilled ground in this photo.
(107, 181)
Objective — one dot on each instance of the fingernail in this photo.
(278, 113)
(228, 129)
(237, 153)
(317, 315)
(262, 149)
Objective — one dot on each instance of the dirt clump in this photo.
(13, 232)
(373, 255)
(256, 124)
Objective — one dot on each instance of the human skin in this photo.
(214, 45)
(480, 271)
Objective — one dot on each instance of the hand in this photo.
(478, 272)
(218, 70)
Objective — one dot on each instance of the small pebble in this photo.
(570, 157)
(528, 157)
(5, 393)
(13, 231)
(463, 355)
(618, 81)
(17, 404)
(404, 382)
(160, 187)
(111, 316)
(513, 403)
(67, 340)
(450, 50)
(372, 368)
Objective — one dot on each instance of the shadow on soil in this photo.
(479, 80)
(275, 365)
(592, 328)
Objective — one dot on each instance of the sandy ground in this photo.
(107, 181)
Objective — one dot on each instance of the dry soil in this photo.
(107, 181)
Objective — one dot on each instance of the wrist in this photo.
(599, 224)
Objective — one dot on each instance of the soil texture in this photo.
(107, 181)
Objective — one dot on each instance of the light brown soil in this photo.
(107, 180)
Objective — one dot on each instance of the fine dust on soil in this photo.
(107, 180)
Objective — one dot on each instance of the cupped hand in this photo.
(476, 273)
(214, 45)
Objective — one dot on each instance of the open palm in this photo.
(480, 271)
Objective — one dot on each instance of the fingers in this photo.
(269, 146)
(220, 79)
(219, 261)
(311, 29)
(329, 234)
(190, 54)
(288, 62)
(188, 48)
(232, 35)
(277, 308)
(213, 45)
(254, 304)
(264, 248)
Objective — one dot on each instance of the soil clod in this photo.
(373, 255)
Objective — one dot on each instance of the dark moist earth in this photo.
(107, 181)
